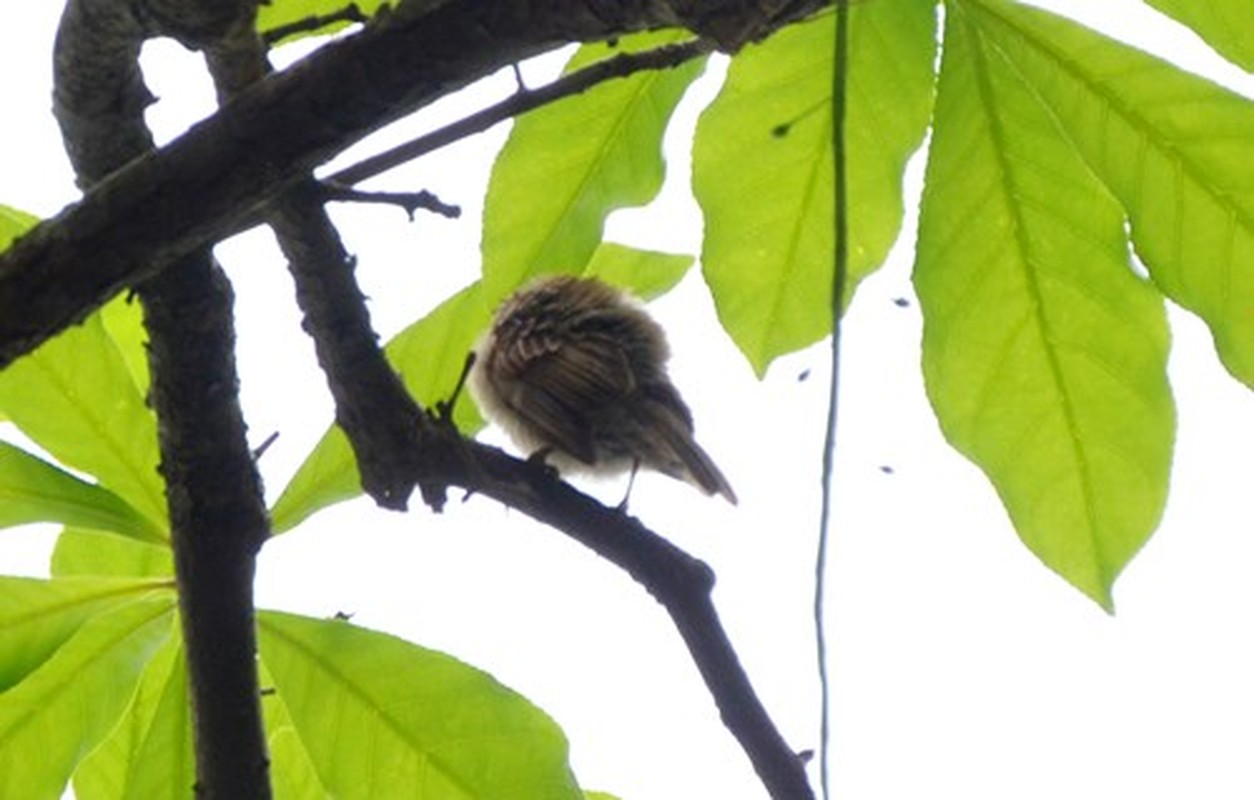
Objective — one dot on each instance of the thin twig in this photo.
(349, 14)
(620, 66)
(410, 201)
(840, 74)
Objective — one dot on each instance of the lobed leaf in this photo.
(762, 169)
(1044, 354)
(1175, 149)
(383, 718)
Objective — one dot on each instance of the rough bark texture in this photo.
(213, 493)
(217, 517)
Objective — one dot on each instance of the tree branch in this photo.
(198, 189)
(678, 581)
(620, 66)
(217, 514)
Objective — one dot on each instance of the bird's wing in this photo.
(557, 386)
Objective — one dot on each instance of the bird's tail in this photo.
(699, 468)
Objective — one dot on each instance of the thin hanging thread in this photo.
(840, 61)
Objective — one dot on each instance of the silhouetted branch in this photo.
(213, 493)
(410, 201)
(142, 218)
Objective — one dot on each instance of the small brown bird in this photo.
(576, 370)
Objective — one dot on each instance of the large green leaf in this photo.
(1228, 25)
(32, 490)
(59, 712)
(382, 718)
(80, 552)
(75, 396)
(1044, 354)
(149, 754)
(762, 169)
(567, 165)
(1175, 149)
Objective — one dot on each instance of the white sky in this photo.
(962, 667)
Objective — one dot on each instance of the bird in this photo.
(574, 371)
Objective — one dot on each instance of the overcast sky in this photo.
(962, 666)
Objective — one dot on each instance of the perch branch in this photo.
(678, 581)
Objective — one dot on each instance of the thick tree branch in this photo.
(335, 312)
(678, 581)
(217, 514)
(165, 205)
(217, 517)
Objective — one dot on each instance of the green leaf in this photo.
(1175, 149)
(13, 223)
(762, 169)
(32, 490)
(1043, 353)
(277, 13)
(326, 477)
(149, 754)
(75, 397)
(65, 707)
(1227, 25)
(292, 773)
(38, 616)
(647, 273)
(567, 165)
(91, 553)
(123, 320)
(383, 718)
